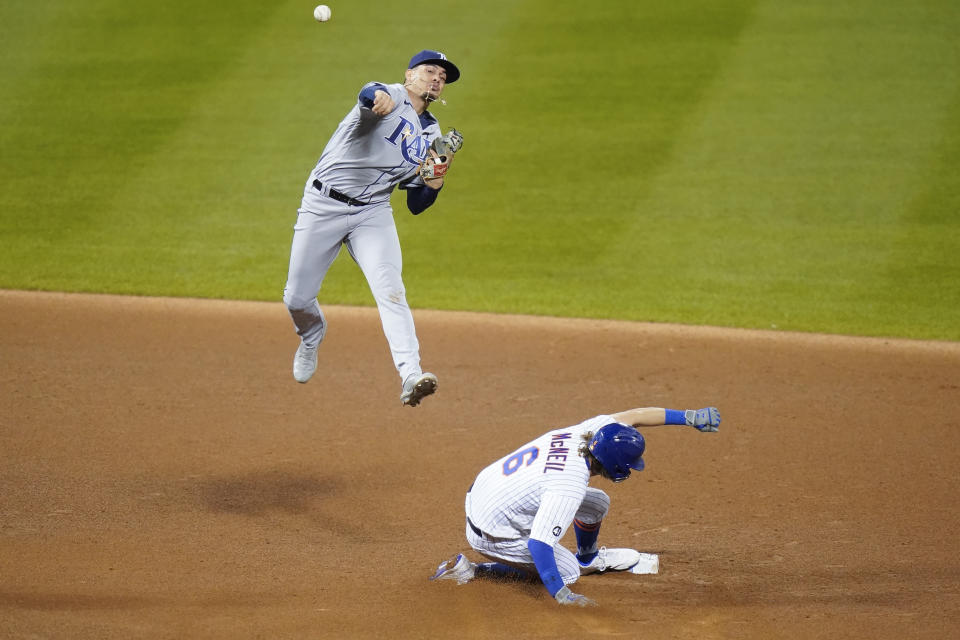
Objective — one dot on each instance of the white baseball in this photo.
(321, 13)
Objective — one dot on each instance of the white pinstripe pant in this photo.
(514, 551)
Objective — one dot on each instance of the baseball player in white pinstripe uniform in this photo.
(388, 138)
(519, 507)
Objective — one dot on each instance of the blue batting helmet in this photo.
(619, 449)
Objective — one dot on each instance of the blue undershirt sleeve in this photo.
(368, 93)
(546, 565)
(421, 197)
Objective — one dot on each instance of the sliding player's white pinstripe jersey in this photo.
(534, 491)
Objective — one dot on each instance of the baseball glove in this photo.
(441, 154)
(448, 143)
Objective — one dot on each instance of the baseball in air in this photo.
(321, 13)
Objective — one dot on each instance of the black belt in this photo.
(475, 528)
(339, 195)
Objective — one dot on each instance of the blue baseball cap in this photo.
(428, 56)
(619, 449)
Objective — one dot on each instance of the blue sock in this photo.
(500, 570)
(586, 540)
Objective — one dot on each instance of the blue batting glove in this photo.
(703, 419)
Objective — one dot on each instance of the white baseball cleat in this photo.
(304, 363)
(611, 560)
(456, 568)
(416, 387)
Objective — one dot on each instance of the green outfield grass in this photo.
(758, 164)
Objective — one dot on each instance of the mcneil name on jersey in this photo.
(559, 450)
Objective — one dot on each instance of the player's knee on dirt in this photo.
(594, 507)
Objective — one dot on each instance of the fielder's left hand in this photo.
(439, 158)
(434, 168)
(703, 419)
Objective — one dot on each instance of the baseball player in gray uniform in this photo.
(519, 507)
(388, 139)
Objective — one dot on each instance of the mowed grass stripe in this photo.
(798, 183)
(585, 112)
(110, 86)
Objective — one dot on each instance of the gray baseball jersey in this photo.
(368, 156)
(536, 490)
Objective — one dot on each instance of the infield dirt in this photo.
(163, 476)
